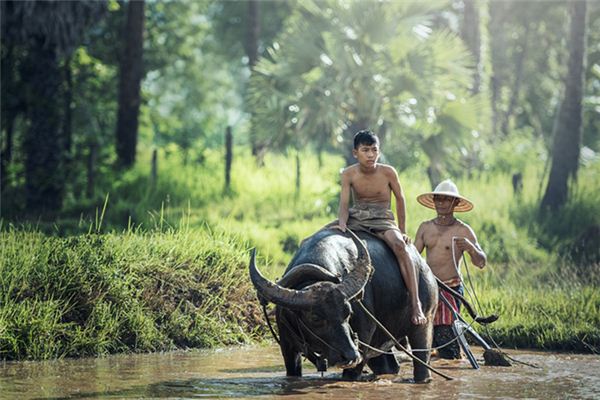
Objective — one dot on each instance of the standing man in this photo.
(445, 238)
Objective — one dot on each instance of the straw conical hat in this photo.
(446, 188)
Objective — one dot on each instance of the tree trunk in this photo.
(253, 32)
(154, 169)
(67, 130)
(471, 35)
(433, 147)
(129, 85)
(497, 32)
(251, 47)
(298, 172)
(91, 170)
(11, 107)
(514, 97)
(568, 129)
(6, 155)
(68, 109)
(42, 144)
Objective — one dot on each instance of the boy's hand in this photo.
(464, 244)
(406, 238)
(341, 227)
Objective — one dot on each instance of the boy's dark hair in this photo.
(365, 137)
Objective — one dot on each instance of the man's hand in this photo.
(464, 244)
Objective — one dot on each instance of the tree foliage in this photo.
(47, 31)
(325, 70)
(343, 66)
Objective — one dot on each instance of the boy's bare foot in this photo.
(418, 318)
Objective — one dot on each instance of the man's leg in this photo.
(443, 334)
(394, 239)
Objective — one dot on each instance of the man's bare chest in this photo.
(439, 238)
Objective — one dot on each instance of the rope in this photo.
(264, 307)
(473, 295)
(399, 346)
(318, 337)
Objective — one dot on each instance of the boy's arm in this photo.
(400, 203)
(344, 200)
(469, 244)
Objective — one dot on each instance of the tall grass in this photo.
(135, 291)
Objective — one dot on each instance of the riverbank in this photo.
(92, 294)
(97, 294)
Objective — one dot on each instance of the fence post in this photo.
(298, 172)
(154, 168)
(91, 169)
(228, 157)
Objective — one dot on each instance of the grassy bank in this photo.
(145, 267)
(135, 291)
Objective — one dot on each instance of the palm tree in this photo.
(339, 67)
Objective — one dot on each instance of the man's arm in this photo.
(469, 244)
(419, 243)
(344, 200)
(400, 203)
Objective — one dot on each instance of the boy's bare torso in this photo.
(372, 187)
(437, 239)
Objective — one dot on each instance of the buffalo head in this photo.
(314, 305)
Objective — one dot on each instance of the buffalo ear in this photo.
(304, 273)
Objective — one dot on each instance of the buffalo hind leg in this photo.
(421, 337)
(384, 364)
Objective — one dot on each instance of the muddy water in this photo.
(258, 372)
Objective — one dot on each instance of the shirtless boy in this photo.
(371, 185)
(446, 238)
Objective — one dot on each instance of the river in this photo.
(258, 372)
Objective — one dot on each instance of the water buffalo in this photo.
(316, 308)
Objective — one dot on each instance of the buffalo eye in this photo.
(317, 321)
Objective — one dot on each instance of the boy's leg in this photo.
(394, 239)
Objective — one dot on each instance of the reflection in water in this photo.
(258, 372)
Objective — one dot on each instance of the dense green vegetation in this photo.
(176, 277)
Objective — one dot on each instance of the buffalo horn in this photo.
(290, 298)
(355, 281)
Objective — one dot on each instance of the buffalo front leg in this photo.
(291, 356)
(353, 374)
(421, 337)
(293, 364)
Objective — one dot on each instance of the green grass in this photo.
(146, 269)
(135, 291)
